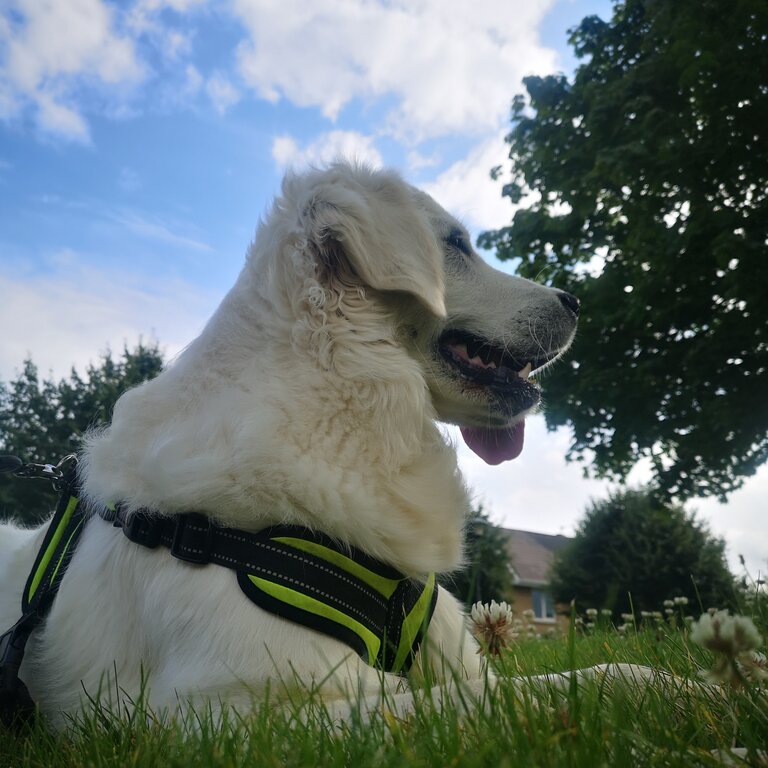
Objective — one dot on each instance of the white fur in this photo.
(310, 398)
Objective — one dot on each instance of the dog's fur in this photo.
(310, 398)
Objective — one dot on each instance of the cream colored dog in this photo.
(361, 318)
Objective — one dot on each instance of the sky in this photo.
(142, 140)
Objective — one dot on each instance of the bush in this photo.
(633, 551)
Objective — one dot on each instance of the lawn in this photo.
(591, 724)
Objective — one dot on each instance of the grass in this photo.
(592, 724)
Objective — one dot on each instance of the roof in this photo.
(531, 555)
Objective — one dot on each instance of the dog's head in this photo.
(384, 268)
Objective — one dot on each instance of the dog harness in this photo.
(16, 705)
(293, 572)
(306, 577)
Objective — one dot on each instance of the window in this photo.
(543, 605)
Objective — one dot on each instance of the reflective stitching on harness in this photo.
(309, 579)
(370, 594)
(376, 625)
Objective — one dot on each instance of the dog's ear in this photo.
(371, 223)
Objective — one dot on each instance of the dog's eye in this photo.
(457, 240)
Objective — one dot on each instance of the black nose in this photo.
(569, 301)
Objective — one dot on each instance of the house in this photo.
(530, 559)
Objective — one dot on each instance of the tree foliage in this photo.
(632, 552)
(43, 420)
(486, 575)
(654, 159)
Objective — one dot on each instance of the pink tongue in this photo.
(495, 445)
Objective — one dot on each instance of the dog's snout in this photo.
(570, 302)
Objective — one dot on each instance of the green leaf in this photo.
(656, 146)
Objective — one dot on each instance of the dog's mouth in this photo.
(501, 376)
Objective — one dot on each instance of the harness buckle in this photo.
(192, 538)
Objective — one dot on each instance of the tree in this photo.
(653, 159)
(41, 421)
(632, 552)
(486, 575)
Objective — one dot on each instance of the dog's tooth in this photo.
(526, 372)
(478, 362)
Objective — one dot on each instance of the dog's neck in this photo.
(246, 429)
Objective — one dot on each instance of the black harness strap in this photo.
(303, 576)
(16, 705)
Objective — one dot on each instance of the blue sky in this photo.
(141, 140)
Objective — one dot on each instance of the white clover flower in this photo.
(681, 600)
(669, 611)
(591, 613)
(753, 666)
(529, 614)
(492, 626)
(483, 612)
(726, 634)
(734, 639)
(645, 614)
(669, 603)
(606, 612)
(628, 618)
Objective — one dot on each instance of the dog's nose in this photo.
(570, 302)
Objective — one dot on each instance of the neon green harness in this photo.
(64, 530)
(371, 607)
(306, 577)
(300, 575)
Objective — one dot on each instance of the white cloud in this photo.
(52, 48)
(155, 228)
(442, 66)
(193, 80)
(59, 119)
(162, 228)
(144, 18)
(128, 180)
(742, 522)
(416, 160)
(451, 66)
(284, 150)
(73, 312)
(180, 6)
(325, 149)
(221, 92)
(467, 190)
